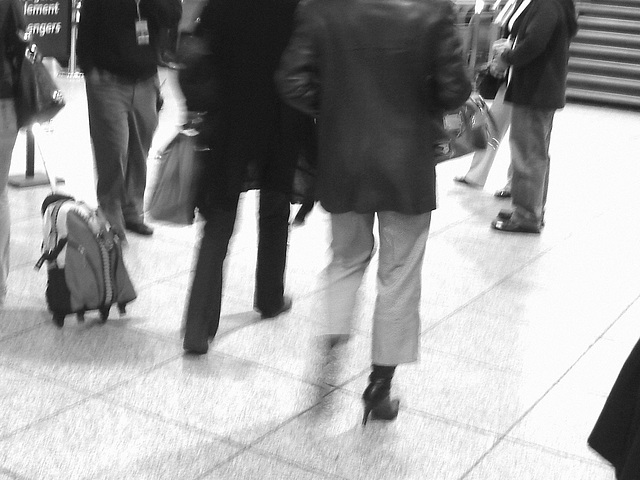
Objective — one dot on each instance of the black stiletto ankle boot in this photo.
(376, 397)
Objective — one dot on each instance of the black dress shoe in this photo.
(139, 228)
(508, 225)
(286, 306)
(507, 214)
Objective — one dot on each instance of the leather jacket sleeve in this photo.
(297, 78)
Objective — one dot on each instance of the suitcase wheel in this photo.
(104, 314)
(58, 319)
(122, 308)
(80, 317)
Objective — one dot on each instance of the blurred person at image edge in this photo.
(11, 53)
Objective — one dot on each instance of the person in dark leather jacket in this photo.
(378, 75)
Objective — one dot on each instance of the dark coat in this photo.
(11, 49)
(540, 56)
(378, 74)
(254, 137)
(616, 435)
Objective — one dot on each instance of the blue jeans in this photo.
(8, 135)
(123, 116)
(529, 141)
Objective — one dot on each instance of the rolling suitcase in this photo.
(85, 269)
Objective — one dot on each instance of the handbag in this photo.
(486, 84)
(465, 130)
(38, 99)
(173, 197)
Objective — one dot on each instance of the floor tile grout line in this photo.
(12, 475)
(241, 446)
(475, 361)
(105, 391)
(48, 417)
(257, 365)
(14, 335)
(87, 395)
(264, 453)
(46, 378)
(505, 435)
(103, 396)
(557, 453)
(169, 420)
(487, 290)
(431, 416)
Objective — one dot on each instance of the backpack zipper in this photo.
(106, 264)
(106, 268)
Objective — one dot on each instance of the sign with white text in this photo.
(49, 23)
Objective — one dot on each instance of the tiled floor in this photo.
(522, 338)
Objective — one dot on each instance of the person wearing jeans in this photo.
(117, 49)
(529, 140)
(537, 56)
(122, 120)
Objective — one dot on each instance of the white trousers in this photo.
(396, 319)
(8, 134)
(483, 159)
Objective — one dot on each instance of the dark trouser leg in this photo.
(529, 141)
(205, 298)
(107, 100)
(272, 251)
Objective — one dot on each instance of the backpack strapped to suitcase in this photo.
(84, 261)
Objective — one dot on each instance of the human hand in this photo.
(498, 67)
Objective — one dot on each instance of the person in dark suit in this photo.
(378, 76)
(540, 32)
(254, 140)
